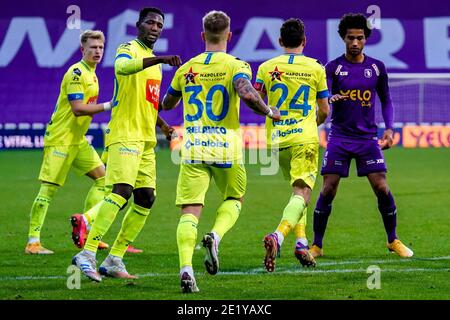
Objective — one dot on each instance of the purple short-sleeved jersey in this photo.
(354, 118)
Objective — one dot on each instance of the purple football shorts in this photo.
(339, 154)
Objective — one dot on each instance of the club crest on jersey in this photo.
(190, 76)
(276, 74)
(368, 73)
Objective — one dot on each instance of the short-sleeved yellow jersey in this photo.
(136, 98)
(293, 83)
(211, 106)
(79, 83)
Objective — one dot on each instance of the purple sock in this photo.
(388, 210)
(321, 214)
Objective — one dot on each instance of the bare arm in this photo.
(79, 109)
(323, 111)
(127, 66)
(253, 99)
(174, 61)
(166, 129)
(262, 94)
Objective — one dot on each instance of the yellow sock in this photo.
(186, 238)
(95, 194)
(132, 224)
(40, 207)
(284, 228)
(300, 227)
(106, 215)
(227, 215)
(92, 212)
(291, 214)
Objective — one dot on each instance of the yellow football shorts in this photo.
(59, 159)
(193, 182)
(300, 163)
(131, 163)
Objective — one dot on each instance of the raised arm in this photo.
(126, 65)
(253, 99)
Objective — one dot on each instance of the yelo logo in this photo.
(356, 94)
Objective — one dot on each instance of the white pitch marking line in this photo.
(261, 271)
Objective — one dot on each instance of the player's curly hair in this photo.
(145, 11)
(292, 33)
(353, 21)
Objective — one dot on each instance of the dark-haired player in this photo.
(130, 140)
(294, 84)
(354, 78)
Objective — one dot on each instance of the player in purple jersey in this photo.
(354, 79)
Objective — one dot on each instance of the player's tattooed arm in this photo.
(252, 99)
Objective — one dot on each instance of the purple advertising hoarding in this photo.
(37, 47)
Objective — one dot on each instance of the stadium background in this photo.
(37, 47)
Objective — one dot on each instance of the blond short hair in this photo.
(215, 25)
(92, 34)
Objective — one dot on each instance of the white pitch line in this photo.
(261, 271)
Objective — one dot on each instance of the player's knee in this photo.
(381, 190)
(144, 197)
(123, 190)
(329, 190)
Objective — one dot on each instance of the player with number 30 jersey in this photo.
(211, 114)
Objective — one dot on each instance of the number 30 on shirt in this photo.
(208, 106)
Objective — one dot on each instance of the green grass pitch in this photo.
(355, 238)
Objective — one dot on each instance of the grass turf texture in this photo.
(355, 238)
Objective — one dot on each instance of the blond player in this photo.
(210, 85)
(65, 143)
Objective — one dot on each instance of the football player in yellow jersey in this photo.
(210, 85)
(65, 143)
(294, 84)
(130, 141)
